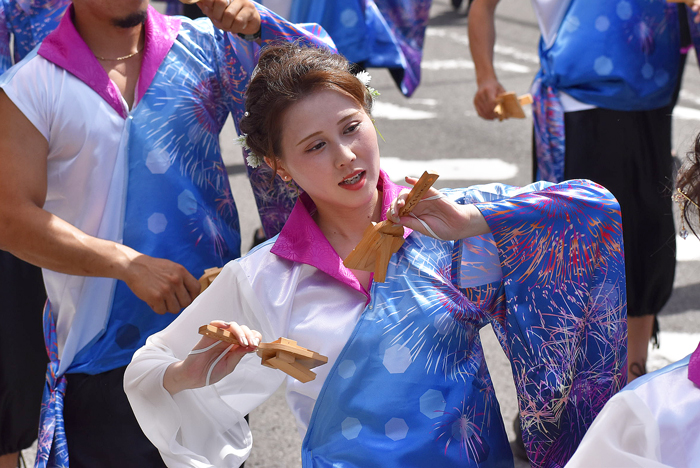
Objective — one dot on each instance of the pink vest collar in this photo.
(65, 48)
(302, 241)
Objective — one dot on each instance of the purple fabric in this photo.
(302, 241)
(52, 450)
(694, 367)
(550, 144)
(65, 48)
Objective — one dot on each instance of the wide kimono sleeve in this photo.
(563, 319)
(275, 201)
(5, 54)
(202, 427)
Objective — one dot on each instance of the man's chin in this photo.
(131, 21)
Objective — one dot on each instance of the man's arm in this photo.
(482, 37)
(39, 237)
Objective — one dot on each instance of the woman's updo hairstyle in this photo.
(287, 73)
(688, 182)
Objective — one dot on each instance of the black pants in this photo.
(22, 352)
(101, 429)
(629, 153)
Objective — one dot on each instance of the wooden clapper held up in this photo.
(283, 354)
(381, 240)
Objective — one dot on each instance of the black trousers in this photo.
(23, 356)
(101, 429)
(629, 153)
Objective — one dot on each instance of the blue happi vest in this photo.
(178, 202)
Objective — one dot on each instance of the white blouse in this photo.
(291, 299)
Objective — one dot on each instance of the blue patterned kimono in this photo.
(406, 384)
(615, 54)
(168, 194)
(411, 387)
(29, 21)
(377, 33)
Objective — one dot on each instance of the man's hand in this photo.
(164, 285)
(485, 99)
(234, 16)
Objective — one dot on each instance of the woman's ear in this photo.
(275, 165)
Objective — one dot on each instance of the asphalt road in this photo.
(438, 129)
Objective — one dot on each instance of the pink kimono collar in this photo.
(65, 48)
(694, 367)
(302, 241)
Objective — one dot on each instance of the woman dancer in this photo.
(406, 383)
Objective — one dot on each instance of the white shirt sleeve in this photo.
(625, 434)
(202, 427)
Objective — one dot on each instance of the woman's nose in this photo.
(345, 155)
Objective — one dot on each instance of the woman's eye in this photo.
(352, 128)
(317, 146)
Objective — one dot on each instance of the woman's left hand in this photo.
(448, 220)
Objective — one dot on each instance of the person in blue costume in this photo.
(24, 23)
(370, 33)
(406, 383)
(654, 421)
(112, 181)
(603, 99)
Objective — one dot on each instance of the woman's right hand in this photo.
(192, 372)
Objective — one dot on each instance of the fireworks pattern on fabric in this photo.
(408, 21)
(558, 311)
(550, 145)
(30, 21)
(178, 204)
(52, 448)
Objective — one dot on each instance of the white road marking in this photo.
(688, 96)
(688, 250)
(673, 346)
(387, 110)
(461, 38)
(487, 169)
(686, 113)
(462, 64)
(425, 101)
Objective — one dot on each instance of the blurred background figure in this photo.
(610, 75)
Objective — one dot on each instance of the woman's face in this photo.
(329, 147)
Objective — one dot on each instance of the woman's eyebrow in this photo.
(349, 116)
